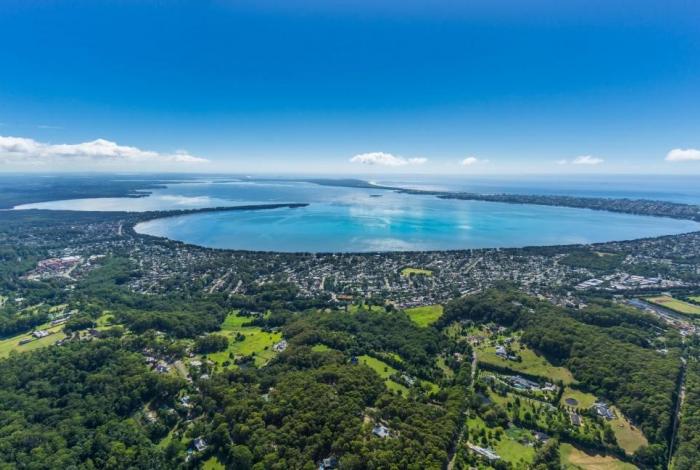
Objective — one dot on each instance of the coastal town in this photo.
(522, 401)
(564, 275)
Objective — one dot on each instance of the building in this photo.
(522, 383)
(488, 454)
(603, 411)
(328, 463)
(575, 419)
(199, 444)
(381, 431)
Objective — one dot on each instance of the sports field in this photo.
(416, 272)
(674, 304)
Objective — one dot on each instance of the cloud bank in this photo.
(386, 159)
(469, 161)
(21, 151)
(582, 160)
(683, 155)
(587, 160)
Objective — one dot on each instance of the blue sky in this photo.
(403, 86)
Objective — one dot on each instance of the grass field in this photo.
(509, 447)
(320, 348)
(12, 344)
(695, 298)
(385, 371)
(573, 458)
(584, 400)
(104, 321)
(416, 272)
(256, 341)
(629, 437)
(675, 305)
(57, 308)
(424, 316)
(532, 363)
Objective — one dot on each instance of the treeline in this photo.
(674, 210)
(687, 454)
(277, 296)
(15, 190)
(637, 379)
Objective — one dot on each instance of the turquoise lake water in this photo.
(361, 220)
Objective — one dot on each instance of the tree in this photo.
(241, 457)
(211, 343)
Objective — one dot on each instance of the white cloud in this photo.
(683, 155)
(386, 159)
(469, 161)
(587, 160)
(562, 162)
(24, 151)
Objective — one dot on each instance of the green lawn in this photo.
(584, 400)
(385, 371)
(416, 272)
(573, 458)
(675, 304)
(12, 344)
(628, 436)
(256, 341)
(508, 447)
(426, 315)
(105, 321)
(532, 363)
(695, 298)
(320, 348)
